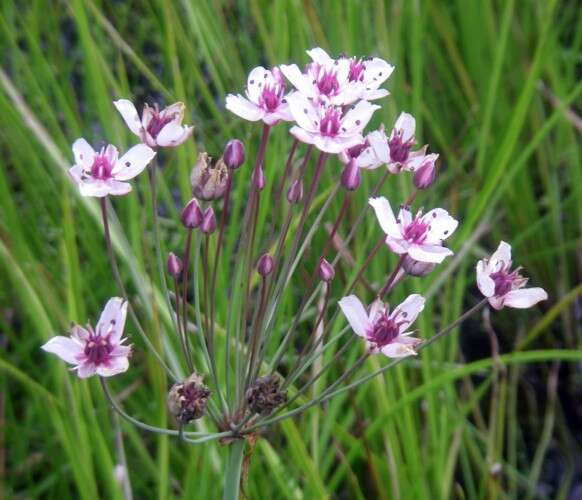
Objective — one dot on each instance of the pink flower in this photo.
(100, 351)
(103, 173)
(156, 128)
(420, 237)
(327, 127)
(369, 153)
(504, 287)
(339, 81)
(265, 98)
(384, 331)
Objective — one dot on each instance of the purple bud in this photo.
(191, 215)
(417, 268)
(174, 265)
(351, 176)
(425, 175)
(295, 191)
(325, 271)
(265, 265)
(234, 154)
(258, 178)
(208, 224)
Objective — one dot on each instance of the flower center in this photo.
(157, 123)
(98, 349)
(327, 83)
(399, 150)
(101, 168)
(356, 150)
(271, 97)
(416, 231)
(357, 69)
(385, 330)
(505, 281)
(330, 123)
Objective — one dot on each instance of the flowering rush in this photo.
(340, 81)
(265, 98)
(96, 351)
(502, 286)
(328, 127)
(420, 237)
(384, 331)
(103, 173)
(156, 128)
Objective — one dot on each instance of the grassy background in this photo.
(494, 87)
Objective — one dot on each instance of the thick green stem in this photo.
(232, 474)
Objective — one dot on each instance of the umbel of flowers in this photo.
(240, 352)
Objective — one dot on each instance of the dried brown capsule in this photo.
(264, 395)
(187, 400)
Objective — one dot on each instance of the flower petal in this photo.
(65, 348)
(133, 162)
(94, 187)
(115, 366)
(429, 253)
(407, 124)
(298, 79)
(358, 117)
(377, 72)
(129, 114)
(244, 108)
(319, 56)
(173, 134)
(502, 254)
(356, 314)
(83, 153)
(335, 145)
(408, 310)
(112, 320)
(86, 370)
(397, 350)
(255, 82)
(440, 225)
(484, 282)
(397, 245)
(524, 298)
(304, 112)
(385, 216)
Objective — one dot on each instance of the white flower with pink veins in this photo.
(340, 81)
(265, 98)
(96, 351)
(156, 128)
(420, 237)
(103, 173)
(384, 331)
(502, 286)
(329, 128)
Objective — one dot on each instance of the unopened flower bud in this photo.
(295, 191)
(258, 178)
(325, 271)
(265, 395)
(265, 265)
(187, 400)
(174, 265)
(417, 268)
(209, 180)
(425, 175)
(234, 154)
(351, 176)
(192, 214)
(208, 224)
